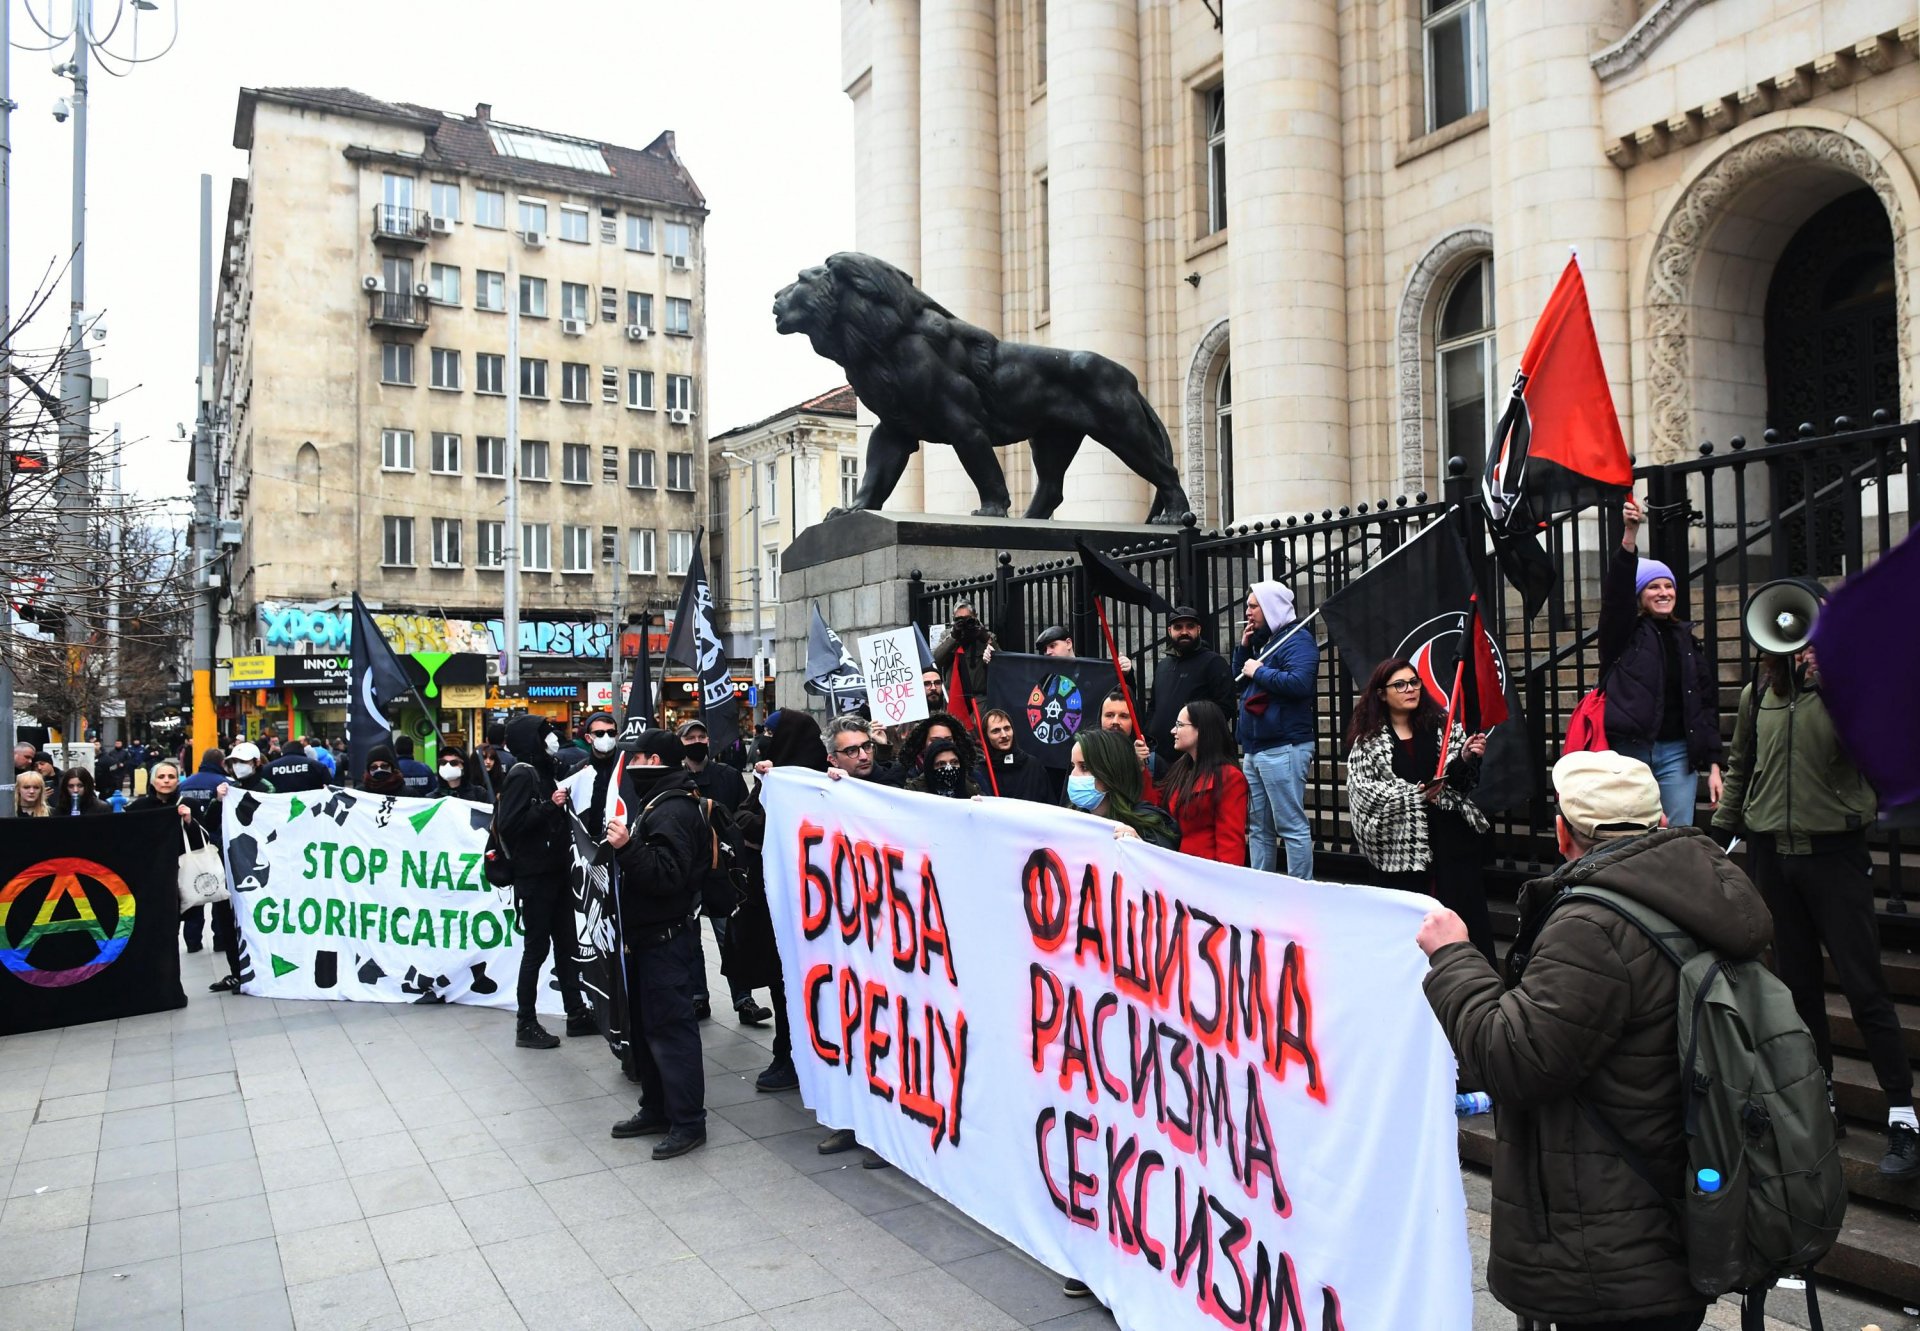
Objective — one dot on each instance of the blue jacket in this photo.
(1276, 705)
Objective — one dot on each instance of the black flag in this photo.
(696, 644)
(88, 919)
(832, 673)
(1419, 603)
(1050, 698)
(1107, 578)
(376, 681)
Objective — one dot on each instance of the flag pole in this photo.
(1100, 604)
(1446, 732)
(1417, 537)
(986, 752)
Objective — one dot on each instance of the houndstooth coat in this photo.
(1389, 814)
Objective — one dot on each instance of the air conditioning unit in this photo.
(680, 416)
(421, 289)
(677, 261)
(533, 240)
(440, 226)
(637, 332)
(370, 282)
(573, 327)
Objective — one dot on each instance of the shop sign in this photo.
(600, 695)
(312, 672)
(464, 695)
(554, 692)
(289, 626)
(254, 670)
(558, 637)
(328, 698)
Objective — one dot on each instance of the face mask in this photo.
(242, 770)
(696, 753)
(553, 743)
(945, 780)
(452, 771)
(602, 743)
(1084, 793)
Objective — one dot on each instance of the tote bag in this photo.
(203, 874)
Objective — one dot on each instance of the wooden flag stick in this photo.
(1100, 604)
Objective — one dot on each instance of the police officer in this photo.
(660, 855)
(294, 770)
(416, 778)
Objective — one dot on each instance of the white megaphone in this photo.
(1779, 617)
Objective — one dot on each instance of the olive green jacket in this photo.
(1789, 778)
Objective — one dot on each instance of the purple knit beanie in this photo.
(1650, 570)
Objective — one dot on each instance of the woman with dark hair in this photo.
(1419, 830)
(1663, 698)
(944, 769)
(494, 761)
(1015, 775)
(76, 795)
(938, 725)
(1205, 790)
(1106, 782)
(752, 957)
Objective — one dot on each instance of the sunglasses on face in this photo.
(596, 734)
(382, 767)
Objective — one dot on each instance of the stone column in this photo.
(1287, 274)
(1553, 186)
(1096, 198)
(889, 221)
(961, 259)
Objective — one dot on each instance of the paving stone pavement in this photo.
(247, 1164)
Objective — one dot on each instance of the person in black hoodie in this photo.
(531, 817)
(728, 789)
(382, 776)
(458, 781)
(661, 853)
(1015, 775)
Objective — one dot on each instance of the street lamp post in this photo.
(753, 566)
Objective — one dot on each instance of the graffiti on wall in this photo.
(286, 627)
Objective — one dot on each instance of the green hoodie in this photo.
(1802, 784)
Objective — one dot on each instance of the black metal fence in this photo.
(1726, 521)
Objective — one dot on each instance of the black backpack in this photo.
(719, 872)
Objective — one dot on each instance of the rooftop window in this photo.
(532, 147)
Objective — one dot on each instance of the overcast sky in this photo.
(750, 87)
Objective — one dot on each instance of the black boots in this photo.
(530, 1034)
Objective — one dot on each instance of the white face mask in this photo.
(605, 743)
(451, 771)
(243, 770)
(553, 742)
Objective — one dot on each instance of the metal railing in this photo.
(398, 309)
(392, 222)
(1726, 521)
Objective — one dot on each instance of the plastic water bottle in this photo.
(1707, 1180)
(73, 806)
(1474, 1102)
(119, 801)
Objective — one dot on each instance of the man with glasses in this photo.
(850, 751)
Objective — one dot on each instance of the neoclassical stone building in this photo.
(1319, 230)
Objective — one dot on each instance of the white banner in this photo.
(380, 899)
(1217, 1096)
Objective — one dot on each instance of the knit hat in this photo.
(1650, 570)
(938, 747)
(1606, 795)
(1276, 603)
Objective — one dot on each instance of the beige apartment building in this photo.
(1320, 230)
(362, 339)
(771, 480)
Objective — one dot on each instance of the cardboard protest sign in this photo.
(375, 898)
(1216, 1096)
(892, 662)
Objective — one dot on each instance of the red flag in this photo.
(1559, 447)
(1486, 690)
(615, 808)
(957, 687)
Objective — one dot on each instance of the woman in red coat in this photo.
(1204, 789)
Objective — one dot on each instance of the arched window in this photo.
(306, 478)
(1223, 442)
(1464, 369)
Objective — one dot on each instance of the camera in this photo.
(62, 109)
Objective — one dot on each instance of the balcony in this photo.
(401, 226)
(401, 311)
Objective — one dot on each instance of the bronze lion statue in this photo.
(931, 377)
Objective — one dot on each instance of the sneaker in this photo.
(230, 985)
(679, 1142)
(1075, 1289)
(531, 1034)
(779, 1076)
(836, 1142)
(582, 1023)
(751, 1013)
(1902, 1160)
(641, 1124)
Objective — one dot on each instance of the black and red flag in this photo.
(1423, 603)
(1558, 448)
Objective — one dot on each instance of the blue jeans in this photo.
(1673, 770)
(1277, 807)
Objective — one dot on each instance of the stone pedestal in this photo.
(857, 567)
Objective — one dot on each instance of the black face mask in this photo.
(696, 753)
(949, 781)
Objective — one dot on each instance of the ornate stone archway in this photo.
(1195, 407)
(1684, 238)
(1413, 345)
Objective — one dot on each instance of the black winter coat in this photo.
(1203, 677)
(659, 867)
(753, 957)
(1016, 776)
(1633, 669)
(533, 827)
